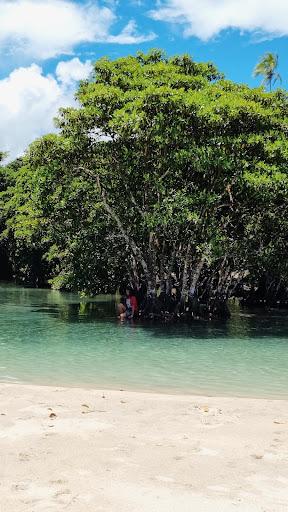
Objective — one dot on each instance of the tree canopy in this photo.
(165, 173)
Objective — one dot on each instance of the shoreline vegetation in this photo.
(166, 176)
(209, 453)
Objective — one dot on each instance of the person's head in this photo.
(128, 292)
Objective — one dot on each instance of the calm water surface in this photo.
(47, 337)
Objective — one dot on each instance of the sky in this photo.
(47, 46)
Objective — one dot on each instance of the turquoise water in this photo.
(47, 337)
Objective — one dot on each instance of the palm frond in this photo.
(267, 68)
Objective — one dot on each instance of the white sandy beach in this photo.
(84, 450)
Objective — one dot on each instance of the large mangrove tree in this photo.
(165, 174)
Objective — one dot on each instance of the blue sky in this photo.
(48, 45)
(233, 53)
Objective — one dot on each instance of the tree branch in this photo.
(129, 240)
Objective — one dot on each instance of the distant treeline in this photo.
(167, 176)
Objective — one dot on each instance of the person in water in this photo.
(128, 306)
(121, 309)
(131, 304)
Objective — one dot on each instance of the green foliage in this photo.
(164, 164)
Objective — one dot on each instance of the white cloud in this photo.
(47, 28)
(207, 18)
(73, 70)
(129, 35)
(30, 100)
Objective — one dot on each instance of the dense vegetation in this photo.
(165, 174)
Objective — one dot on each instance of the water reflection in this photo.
(55, 338)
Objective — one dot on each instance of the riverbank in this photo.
(88, 450)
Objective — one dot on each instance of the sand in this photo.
(83, 450)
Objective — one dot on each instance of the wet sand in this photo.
(86, 450)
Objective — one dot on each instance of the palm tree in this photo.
(267, 67)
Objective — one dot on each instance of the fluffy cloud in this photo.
(47, 28)
(30, 100)
(73, 70)
(129, 35)
(207, 18)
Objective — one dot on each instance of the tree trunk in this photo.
(185, 275)
(196, 275)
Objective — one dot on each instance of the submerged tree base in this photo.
(167, 309)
